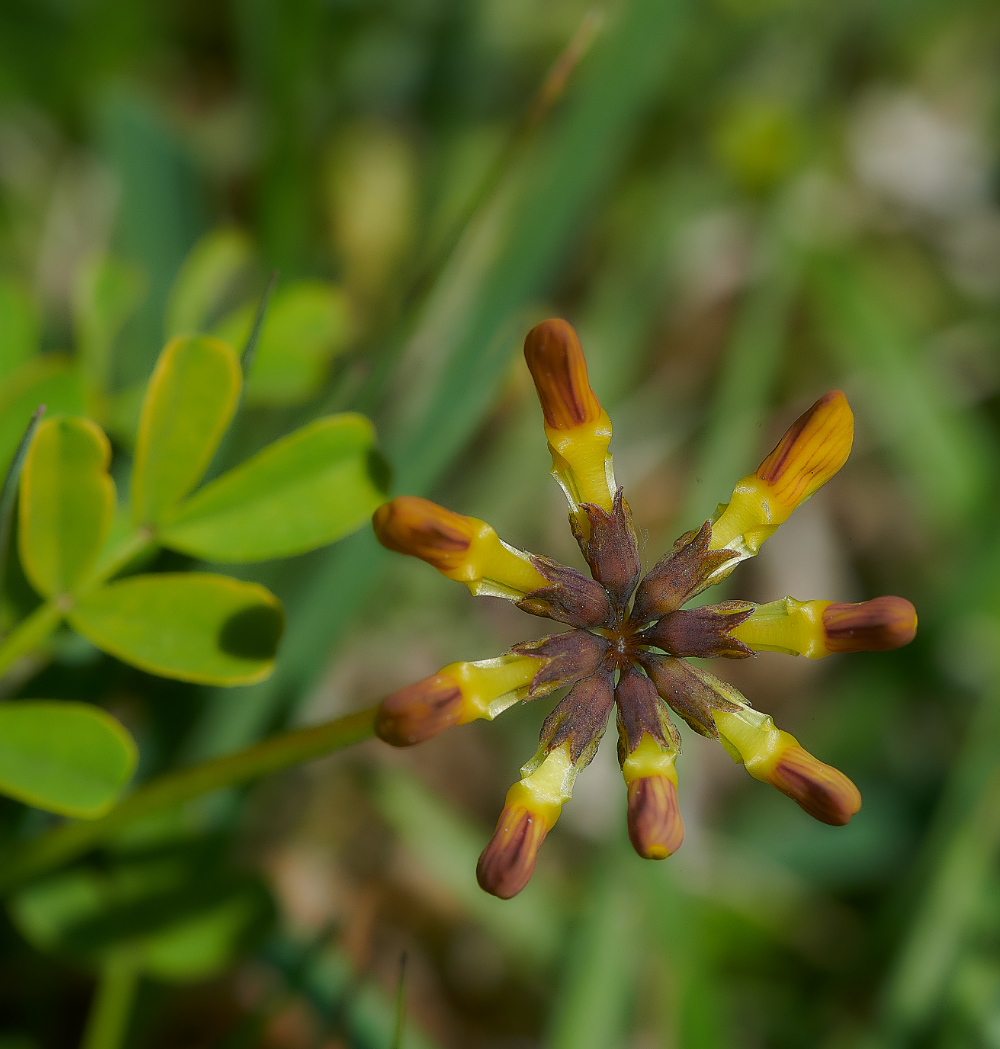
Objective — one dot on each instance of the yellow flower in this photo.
(629, 635)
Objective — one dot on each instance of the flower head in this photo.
(629, 635)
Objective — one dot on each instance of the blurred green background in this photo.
(740, 204)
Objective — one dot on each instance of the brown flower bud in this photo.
(654, 820)
(419, 711)
(415, 526)
(555, 360)
(508, 861)
(878, 625)
(811, 451)
(821, 790)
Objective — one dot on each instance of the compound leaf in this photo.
(69, 758)
(308, 489)
(67, 503)
(307, 324)
(192, 626)
(189, 402)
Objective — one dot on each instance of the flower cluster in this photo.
(629, 635)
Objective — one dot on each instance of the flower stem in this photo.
(107, 1024)
(174, 788)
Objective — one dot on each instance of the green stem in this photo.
(279, 752)
(107, 1024)
(28, 634)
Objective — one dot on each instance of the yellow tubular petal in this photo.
(811, 451)
(747, 519)
(547, 788)
(751, 738)
(650, 758)
(581, 462)
(490, 686)
(576, 426)
(787, 625)
(493, 568)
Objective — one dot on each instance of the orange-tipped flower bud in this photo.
(655, 827)
(462, 548)
(775, 757)
(577, 427)
(812, 450)
(415, 526)
(530, 811)
(457, 694)
(821, 790)
(878, 625)
(419, 711)
(508, 862)
(556, 362)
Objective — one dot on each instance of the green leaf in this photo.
(190, 400)
(106, 294)
(19, 327)
(67, 503)
(208, 274)
(308, 489)
(307, 324)
(51, 380)
(203, 944)
(70, 758)
(192, 626)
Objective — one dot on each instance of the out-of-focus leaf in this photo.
(307, 324)
(67, 503)
(749, 373)
(187, 625)
(179, 918)
(191, 397)
(208, 274)
(160, 207)
(70, 758)
(51, 380)
(592, 1004)
(107, 293)
(203, 944)
(944, 454)
(306, 490)
(19, 327)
